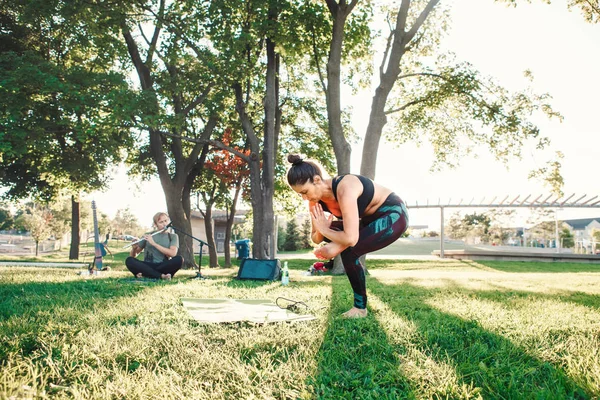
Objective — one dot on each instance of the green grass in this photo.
(459, 330)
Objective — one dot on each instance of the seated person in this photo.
(160, 252)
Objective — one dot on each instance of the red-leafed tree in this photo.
(233, 174)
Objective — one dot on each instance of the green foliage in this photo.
(305, 237)
(61, 126)
(551, 175)
(477, 226)
(6, 219)
(492, 226)
(544, 224)
(456, 109)
(126, 223)
(498, 330)
(36, 220)
(281, 237)
(596, 238)
(60, 224)
(292, 236)
(567, 239)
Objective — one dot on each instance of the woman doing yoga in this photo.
(368, 217)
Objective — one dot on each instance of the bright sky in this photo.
(561, 50)
(563, 53)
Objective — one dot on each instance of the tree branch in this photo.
(198, 100)
(157, 29)
(317, 64)
(214, 143)
(420, 20)
(404, 107)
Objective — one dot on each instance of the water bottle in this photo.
(285, 274)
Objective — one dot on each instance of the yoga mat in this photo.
(234, 310)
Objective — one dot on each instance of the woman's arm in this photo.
(167, 251)
(135, 250)
(348, 191)
(315, 235)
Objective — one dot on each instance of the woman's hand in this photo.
(328, 251)
(319, 221)
(150, 239)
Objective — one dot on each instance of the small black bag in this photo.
(265, 270)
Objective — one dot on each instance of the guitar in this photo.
(99, 249)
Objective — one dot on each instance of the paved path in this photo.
(310, 256)
(42, 264)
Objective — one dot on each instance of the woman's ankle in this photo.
(355, 313)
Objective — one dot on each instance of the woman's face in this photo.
(162, 221)
(310, 191)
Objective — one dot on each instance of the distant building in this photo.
(219, 223)
(418, 230)
(583, 228)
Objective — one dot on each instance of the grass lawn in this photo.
(460, 330)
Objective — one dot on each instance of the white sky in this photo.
(561, 50)
(563, 53)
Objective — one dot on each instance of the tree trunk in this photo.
(341, 147)
(373, 136)
(258, 228)
(75, 227)
(210, 236)
(176, 184)
(259, 237)
(271, 134)
(389, 71)
(262, 180)
(230, 222)
(181, 222)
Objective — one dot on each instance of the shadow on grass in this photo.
(534, 267)
(355, 360)
(481, 359)
(34, 308)
(377, 263)
(247, 283)
(506, 296)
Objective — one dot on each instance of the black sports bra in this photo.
(363, 200)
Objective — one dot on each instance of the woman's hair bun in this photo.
(295, 159)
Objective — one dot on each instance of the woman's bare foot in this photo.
(329, 251)
(166, 277)
(139, 275)
(355, 313)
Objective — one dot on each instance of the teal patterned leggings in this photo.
(377, 231)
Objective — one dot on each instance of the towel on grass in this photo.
(235, 310)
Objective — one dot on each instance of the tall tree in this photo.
(210, 189)
(59, 103)
(567, 240)
(426, 94)
(233, 173)
(437, 101)
(125, 222)
(36, 220)
(260, 39)
(306, 229)
(231, 50)
(61, 218)
(175, 88)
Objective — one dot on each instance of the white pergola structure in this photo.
(517, 202)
